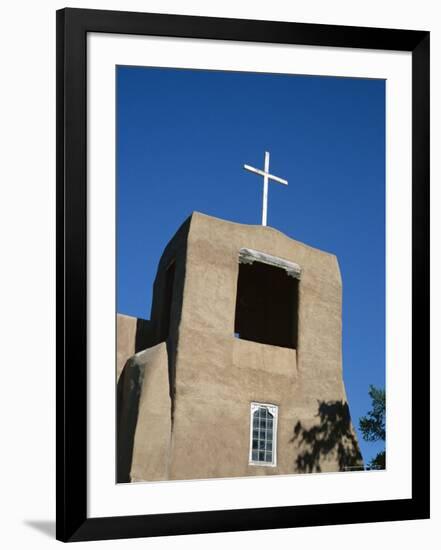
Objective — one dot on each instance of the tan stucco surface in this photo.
(126, 334)
(133, 335)
(213, 376)
(152, 436)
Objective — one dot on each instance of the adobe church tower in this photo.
(239, 370)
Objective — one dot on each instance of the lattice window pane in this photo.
(262, 444)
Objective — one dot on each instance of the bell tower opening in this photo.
(267, 300)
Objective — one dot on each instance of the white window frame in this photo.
(274, 411)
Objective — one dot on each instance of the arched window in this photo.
(263, 434)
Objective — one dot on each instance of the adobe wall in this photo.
(214, 376)
(125, 340)
(132, 335)
(218, 376)
(144, 417)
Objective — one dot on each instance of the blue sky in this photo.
(182, 139)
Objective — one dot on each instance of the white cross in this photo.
(266, 177)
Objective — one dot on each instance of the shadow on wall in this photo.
(128, 393)
(145, 336)
(331, 439)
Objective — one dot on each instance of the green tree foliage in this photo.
(373, 425)
(378, 462)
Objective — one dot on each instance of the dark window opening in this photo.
(168, 299)
(266, 305)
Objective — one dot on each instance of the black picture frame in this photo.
(71, 427)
